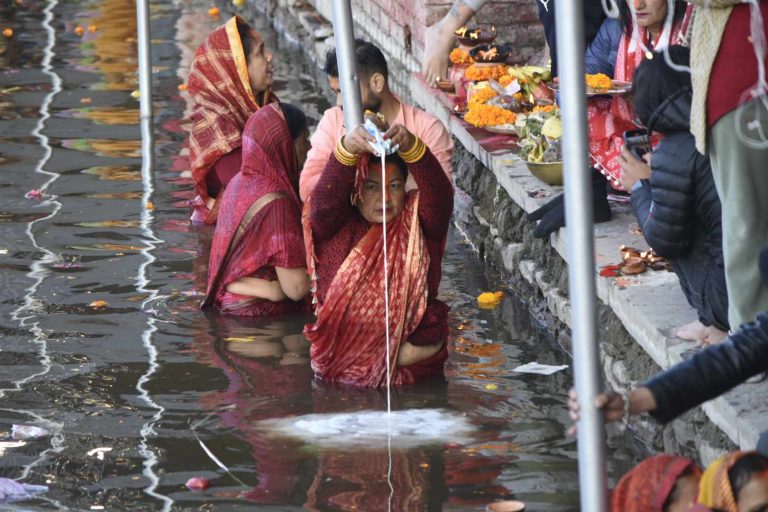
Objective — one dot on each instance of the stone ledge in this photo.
(649, 305)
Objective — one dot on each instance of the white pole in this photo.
(145, 83)
(344, 37)
(569, 19)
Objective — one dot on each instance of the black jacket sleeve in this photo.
(666, 212)
(711, 372)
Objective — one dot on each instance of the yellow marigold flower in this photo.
(483, 95)
(488, 300)
(505, 80)
(599, 81)
(545, 108)
(479, 73)
(480, 114)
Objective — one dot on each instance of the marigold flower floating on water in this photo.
(459, 56)
(99, 304)
(92, 28)
(79, 30)
(86, 101)
(150, 205)
(481, 115)
(480, 73)
(489, 300)
(599, 81)
(8, 32)
(213, 12)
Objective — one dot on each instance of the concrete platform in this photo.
(649, 305)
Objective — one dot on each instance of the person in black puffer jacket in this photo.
(678, 208)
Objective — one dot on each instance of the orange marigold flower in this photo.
(480, 114)
(599, 81)
(480, 73)
(505, 80)
(99, 304)
(483, 95)
(213, 12)
(545, 108)
(183, 87)
(488, 300)
(92, 28)
(79, 30)
(459, 56)
(8, 32)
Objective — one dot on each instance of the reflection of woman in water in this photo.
(230, 79)
(257, 263)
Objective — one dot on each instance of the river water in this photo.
(145, 392)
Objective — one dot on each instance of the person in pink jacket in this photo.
(376, 97)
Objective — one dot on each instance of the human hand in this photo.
(358, 141)
(400, 136)
(438, 40)
(633, 169)
(611, 403)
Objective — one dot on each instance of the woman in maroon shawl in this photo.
(348, 341)
(257, 265)
(230, 79)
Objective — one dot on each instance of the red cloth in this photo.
(646, 487)
(223, 102)
(223, 171)
(348, 343)
(734, 71)
(273, 237)
(609, 118)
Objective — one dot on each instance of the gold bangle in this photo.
(343, 155)
(416, 152)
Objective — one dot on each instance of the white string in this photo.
(668, 24)
(386, 328)
(611, 11)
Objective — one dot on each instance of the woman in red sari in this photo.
(230, 79)
(662, 483)
(257, 265)
(621, 46)
(348, 343)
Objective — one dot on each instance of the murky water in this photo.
(128, 390)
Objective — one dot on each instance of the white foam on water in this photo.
(405, 429)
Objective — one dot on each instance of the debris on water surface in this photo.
(183, 87)
(99, 304)
(150, 205)
(28, 432)
(36, 194)
(11, 490)
(198, 483)
(213, 12)
(8, 32)
(4, 445)
(79, 30)
(136, 94)
(540, 369)
(86, 101)
(99, 452)
(491, 387)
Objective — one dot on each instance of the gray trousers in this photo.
(741, 178)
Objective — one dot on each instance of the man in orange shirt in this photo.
(376, 97)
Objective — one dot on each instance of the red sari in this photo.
(609, 118)
(348, 343)
(259, 225)
(647, 486)
(223, 102)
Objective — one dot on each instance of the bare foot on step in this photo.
(693, 331)
(712, 336)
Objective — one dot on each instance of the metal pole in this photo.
(569, 21)
(344, 37)
(145, 83)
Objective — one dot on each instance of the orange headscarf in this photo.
(715, 489)
(221, 89)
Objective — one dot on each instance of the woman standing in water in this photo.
(348, 342)
(257, 265)
(230, 79)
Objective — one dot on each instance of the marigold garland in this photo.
(599, 81)
(480, 73)
(459, 56)
(545, 108)
(480, 114)
(482, 95)
(505, 80)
